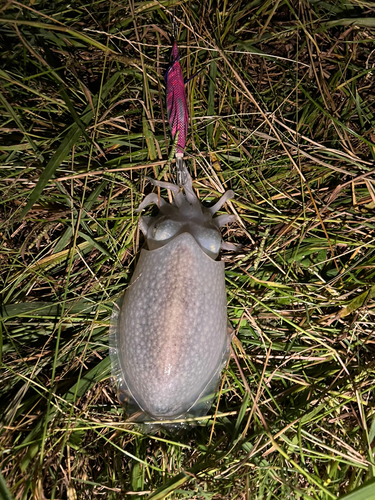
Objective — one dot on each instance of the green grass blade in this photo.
(364, 492)
(63, 29)
(57, 159)
(5, 494)
(73, 134)
(169, 487)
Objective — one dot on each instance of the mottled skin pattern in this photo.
(173, 327)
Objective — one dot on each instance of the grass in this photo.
(282, 113)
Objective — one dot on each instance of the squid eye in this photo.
(165, 229)
(209, 239)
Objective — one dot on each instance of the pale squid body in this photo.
(170, 331)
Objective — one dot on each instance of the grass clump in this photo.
(282, 112)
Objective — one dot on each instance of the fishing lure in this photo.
(177, 108)
(170, 331)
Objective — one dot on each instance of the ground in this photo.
(281, 111)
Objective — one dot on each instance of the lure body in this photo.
(171, 339)
(176, 100)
